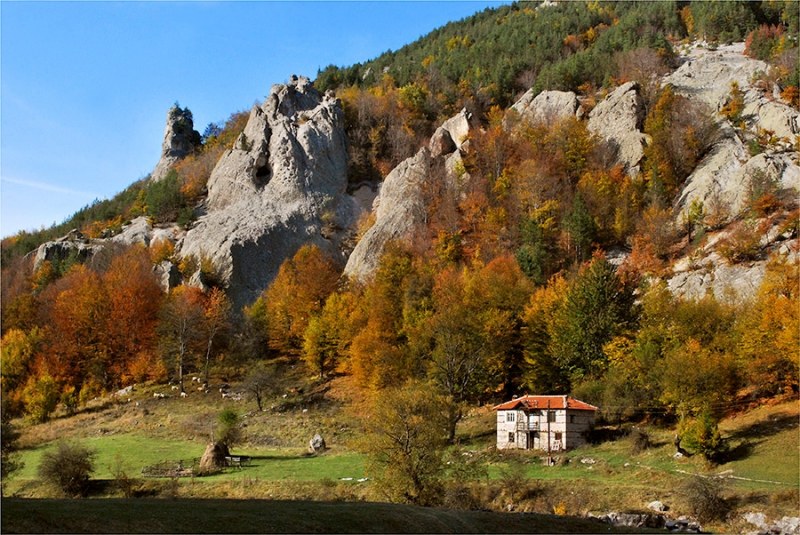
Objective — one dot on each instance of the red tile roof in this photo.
(540, 402)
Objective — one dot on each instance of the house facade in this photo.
(548, 423)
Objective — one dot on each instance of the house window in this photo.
(509, 417)
(551, 416)
(572, 418)
(511, 437)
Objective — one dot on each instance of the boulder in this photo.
(269, 194)
(723, 178)
(759, 520)
(727, 283)
(137, 231)
(768, 115)
(548, 106)
(618, 119)
(167, 275)
(180, 140)
(316, 444)
(657, 506)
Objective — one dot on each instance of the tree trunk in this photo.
(453, 417)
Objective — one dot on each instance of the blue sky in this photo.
(85, 86)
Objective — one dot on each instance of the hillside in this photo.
(589, 199)
(758, 475)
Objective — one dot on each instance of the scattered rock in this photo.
(657, 506)
(316, 444)
(633, 520)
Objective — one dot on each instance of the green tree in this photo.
(597, 307)
(581, 228)
(229, 430)
(405, 444)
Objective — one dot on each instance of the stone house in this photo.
(548, 423)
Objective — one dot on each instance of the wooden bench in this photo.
(237, 460)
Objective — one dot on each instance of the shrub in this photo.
(161, 250)
(701, 435)
(229, 431)
(704, 497)
(68, 468)
(742, 244)
(640, 440)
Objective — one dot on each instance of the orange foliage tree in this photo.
(298, 293)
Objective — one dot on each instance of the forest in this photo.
(516, 288)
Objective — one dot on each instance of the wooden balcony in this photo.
(525, 426)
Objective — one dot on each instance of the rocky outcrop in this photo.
(401, 208)
(706, 272)
(618, 119)
(282, 183)
(180, 140)
(723, 178)
(74, 247)
(548, 106)
(707, 74)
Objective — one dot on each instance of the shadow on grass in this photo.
(767, 428)
(741, 451)
(476, 438)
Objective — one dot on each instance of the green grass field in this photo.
(761, 471)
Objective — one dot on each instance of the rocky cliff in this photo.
(402, 205)
(723, 179)
(282, 185)
(284, 182)
(180, 139)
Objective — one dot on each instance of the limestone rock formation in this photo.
(548, 106)
(705, 272)
(722, 179)
(707, 74)
(401, 207)
(283, 181)
(180, 139)
(72, 247)
(619, 119)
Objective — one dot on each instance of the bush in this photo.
(640, 441)
(68, 468)
(704, 496)
(229, 431)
